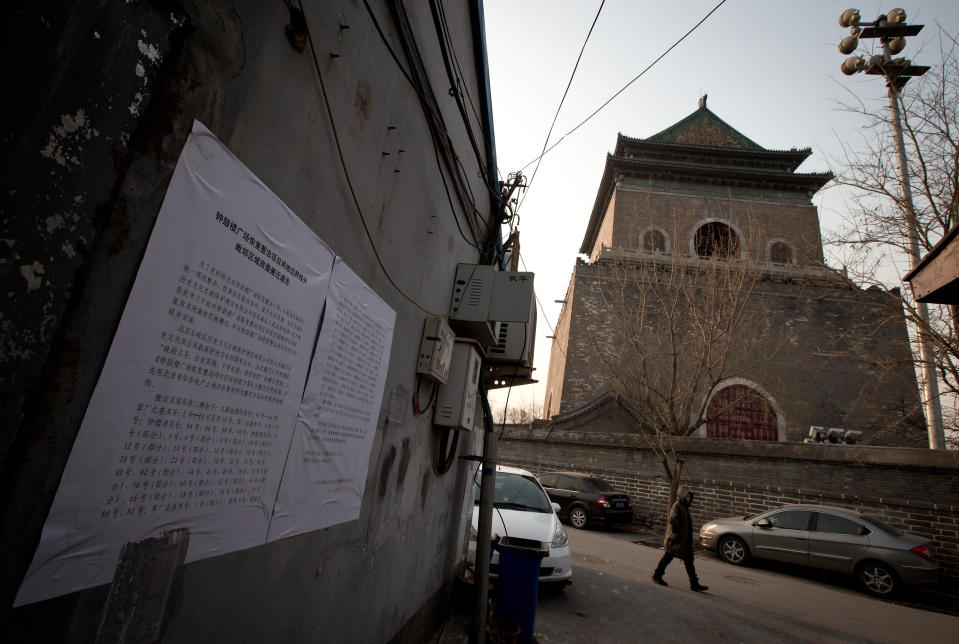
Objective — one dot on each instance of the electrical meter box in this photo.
(436, 350)
(456, 403)
(470, 305)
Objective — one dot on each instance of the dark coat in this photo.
(679, 531)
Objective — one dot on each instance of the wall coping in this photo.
(917, 457)
(825, 497)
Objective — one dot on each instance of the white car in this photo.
(521, 509)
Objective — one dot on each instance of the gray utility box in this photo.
(470, 306)
(516, 335)
(456, 400)
(512, 298)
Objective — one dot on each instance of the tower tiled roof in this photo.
(701, 148)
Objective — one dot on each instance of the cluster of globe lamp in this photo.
(851, 18)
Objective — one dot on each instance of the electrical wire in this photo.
(445, 450)
(446, 187)
(455, 83)
(346, 174)
(626, 86)
(432, 112)
(543, 310)
(459, 69)
(417, 410)
(561, 101)
(436, 128)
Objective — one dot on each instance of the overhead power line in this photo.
(627, 85)
(561, 101)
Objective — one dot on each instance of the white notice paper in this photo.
(192, 418)
(326, 471)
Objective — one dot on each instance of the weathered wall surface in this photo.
(915, 489)
(678, 210)
(826, 354)
(557, 354)
(608, 230)
(103, 108)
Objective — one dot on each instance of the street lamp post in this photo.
(891, 29)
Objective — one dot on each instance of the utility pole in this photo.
(891, 30)
(484, 523)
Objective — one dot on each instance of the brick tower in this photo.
(700, 190)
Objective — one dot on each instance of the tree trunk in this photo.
(674, 478)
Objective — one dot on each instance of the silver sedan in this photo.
(879, 555)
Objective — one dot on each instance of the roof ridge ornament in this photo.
(702, 101)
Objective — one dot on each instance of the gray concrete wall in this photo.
(915, 489)
(105, 105)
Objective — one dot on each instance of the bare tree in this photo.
(521, 412)
(875, 236)
(680, 325)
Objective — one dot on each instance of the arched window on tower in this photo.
(780, 253)
(738, 411)
(654, 240)
(716, 239)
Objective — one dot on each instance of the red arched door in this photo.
(738, 411)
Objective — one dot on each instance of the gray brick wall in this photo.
(914, 489)
(828, 354)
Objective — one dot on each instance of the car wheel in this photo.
(578, 517)
(877, 579)
(733, 550)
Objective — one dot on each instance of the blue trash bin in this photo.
(518, 582)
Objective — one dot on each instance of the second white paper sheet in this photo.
(326, 471)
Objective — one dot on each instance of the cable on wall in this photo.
(439, 133)
(434, 118)
(346, 173)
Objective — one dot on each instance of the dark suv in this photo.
(585, 499)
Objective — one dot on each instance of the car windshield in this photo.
(882, 525)
(600, 486)
(517, 492)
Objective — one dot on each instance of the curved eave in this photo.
(680, 170)
(798, 182)
(791, 158)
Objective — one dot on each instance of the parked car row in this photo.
(880, 556)
(584, 500)
(530, 509)
(523, 510)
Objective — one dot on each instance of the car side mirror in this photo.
(556, 506)
(763, 523)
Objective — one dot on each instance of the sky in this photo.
(769, 68)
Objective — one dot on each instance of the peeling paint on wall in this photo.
(65, 141)
(31, 273)
(148, 50)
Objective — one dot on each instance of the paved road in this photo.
(612, 599)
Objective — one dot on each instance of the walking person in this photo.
(679, 540)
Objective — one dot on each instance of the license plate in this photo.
(620, 504)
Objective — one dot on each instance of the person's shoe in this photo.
(698, 587)
(659, 580)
